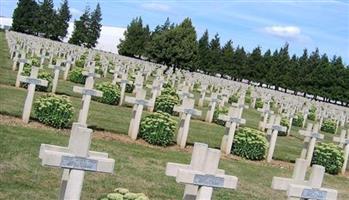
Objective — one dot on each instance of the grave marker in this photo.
(211, 108)
(56, 69)
(273, 128)
(344, 143)
(313, 136)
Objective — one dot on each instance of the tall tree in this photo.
(94, 31)
(215, 55)
(46, 20)
(63, 17)
(227, 58)
(24, 16)
(79, 36)
(136, 37)
(203, 51)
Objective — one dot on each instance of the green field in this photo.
(139, 167)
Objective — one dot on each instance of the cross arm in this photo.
(172, 169)
(48, 147)
(86, 91)
(34, 81)
(306, 192)
(281, 183)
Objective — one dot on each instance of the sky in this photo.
(310, 24)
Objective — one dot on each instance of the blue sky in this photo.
(249, 23)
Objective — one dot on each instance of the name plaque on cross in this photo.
(33, 81)
(22, 60)
(235, 120)
(89, 92)
(189, 111)
(79, 163)
(208, 180)
(315, 194)
(346, 141)
(123, 81)
(278, 128)
(141, 102)
(316, 135)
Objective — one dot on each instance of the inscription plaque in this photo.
(208, 180)
(79, 163)
(315, 194)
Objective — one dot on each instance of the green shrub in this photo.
(167, 85)
(158, 129)
(298, 120)
(329, 126)
(130, 87)
(259, 103)
(56, 111)
(165, 103)
(250, 144)
(233, 99)
(312, 116)
(284, 122)
(124, 194)
(76, 75)
(330, 156)
(217, 112)
(248, 99)
(35, 61)
(111, 93)
(170, 91)
(41, 75)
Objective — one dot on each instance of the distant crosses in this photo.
(202, 175)
(273, 128)
(75, 160)
(187, 110)
(56, 69)
(32, 82)
(123, 81)
(311, 136)
(343, 141)
(240, 105)
(68, 64)
(212, 106)
(232, 120)
(139, 102)
(87, 91)
(290, 115)
(202, 95)
(138, 83)
(313, 188)
(18, 58)
(22, 61)
(155, 90)
(266, 112)
(298, 176)
(184, 93)
(305, 116)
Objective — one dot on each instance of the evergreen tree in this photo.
(227, 58)
(46, 20)
(136, 37)
(94, 31)
(254, 66)
(240, 61)
(79, 36)
(203, 52)
(24, 16)
(62, 24)
(215, 55)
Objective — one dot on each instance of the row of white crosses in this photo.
(202, 174)
(343, 141)
(298, 188)
(77, 158)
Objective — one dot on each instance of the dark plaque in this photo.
(235, 120)
(208, 180)
(33, 81)
(315, 194)
(189, 111)
(141, 102)
(316, 135)
(89, 92)
(277, 127)
(79, 163)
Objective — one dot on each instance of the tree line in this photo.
(41, 19)
(177, 46)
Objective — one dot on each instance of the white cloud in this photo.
(283, 31)
(75, 12)
(156, 7)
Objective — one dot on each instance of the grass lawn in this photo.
(139, 168)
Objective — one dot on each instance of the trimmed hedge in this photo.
(158, 129)
(329, 126)
(298, 120)
(217, 112)
(165, 103)
(170, 91)
(56, 111)
(111, 93)
(330, 156)
(250, 144)
(76, 75)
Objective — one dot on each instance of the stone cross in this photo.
(240, 105)
(290, 115)
(16, 59)
(298, 177)
(305, 116)
(206, 177)
(311, 137)
(68, 64)
(196, 163)
(75, 160)
(184, 93)
(116, 72)
(202, 95)
(32, 80)
(273, 128)
(232, 120)
(224, 97)
(187, 110)
(42, 59)
(123, 82)
(56, 69)
(87, 91)
(211, 108)
(265, 114)
(313, 189)
(344, 143)
(155, 90)
(139, 102)
(22, 61)
(138, 83)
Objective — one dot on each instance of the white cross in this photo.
(68, 64)
(202, 95)
(33, 81)
(206, 177)
(155, 89)
(311, 137)
(273, 128)
(75, 160)
(344, 143)
(138, 83)
(56, 69)
(22, 61)
(265, 114)
(123, 81)
(211, 108)
(232, 120)
(187, 110)
(139, 102)
(184, 93)
(313, 189)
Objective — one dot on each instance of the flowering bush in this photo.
(76, 75)
(330, 156)
(329, 126)
(111, 93)
(217, 112)
(298, 120)
(165, 103)
(42, 75)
